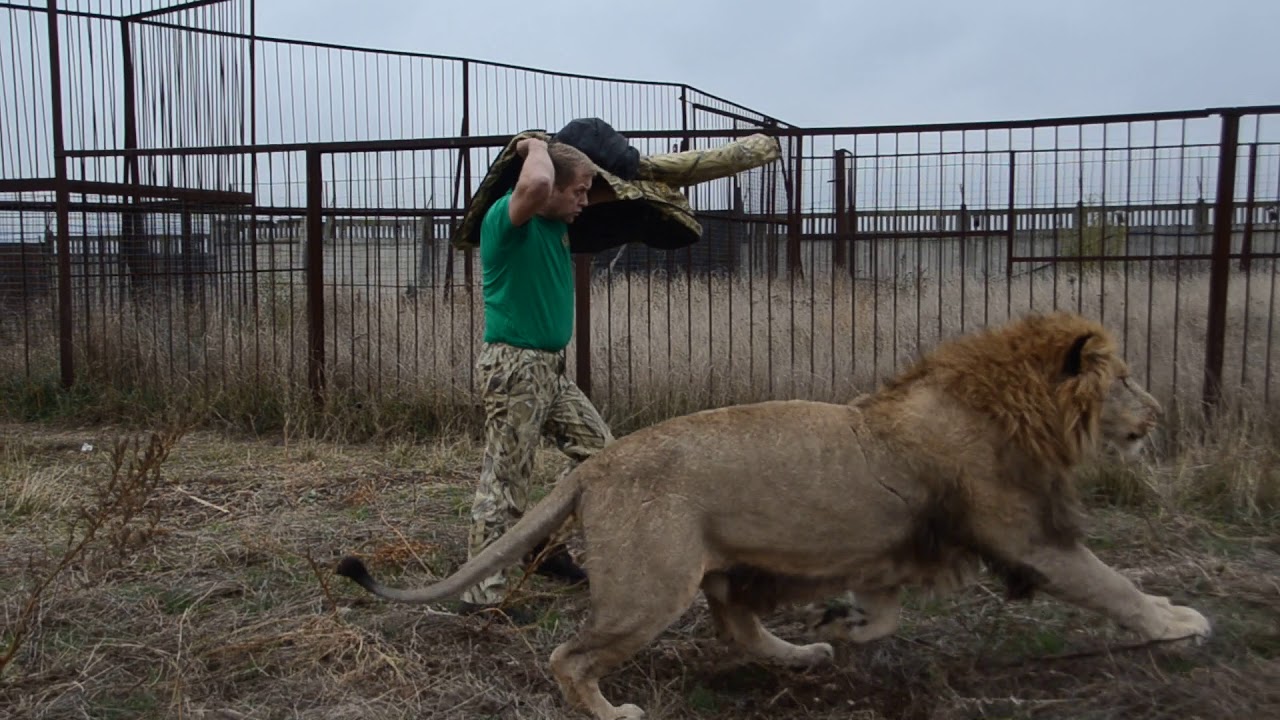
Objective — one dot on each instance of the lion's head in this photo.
(1055, 384)
(1128, 417)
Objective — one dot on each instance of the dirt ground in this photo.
(223, 605)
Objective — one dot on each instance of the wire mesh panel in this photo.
(907, 236)
(26, 140)
(672, 330)
(173, 286)
(27, 282)
(401, 320)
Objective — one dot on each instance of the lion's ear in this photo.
(1073, 364)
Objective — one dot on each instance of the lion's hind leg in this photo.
(616, 629)
(738, 624)
(637, 591)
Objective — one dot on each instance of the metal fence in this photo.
(289, 226)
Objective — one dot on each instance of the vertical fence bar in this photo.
(314, 263)
(66, 363)
(1219, 270)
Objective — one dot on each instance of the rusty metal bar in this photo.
(133, 242)
(130, 109)
(133, 190)
(194, 4)
(1071, 121)
(500, 140)
(1246, 244)
(314, 263)
(1119, 258)
(685, 138)
(66, 347)
(839, 253)
(468, 255)
(339, 146)
(1012, 229)
(188, 255)
(1219, 271)
(194, 195)
(28, 185)
(728, 115)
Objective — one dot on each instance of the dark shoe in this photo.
(518, 614)
(558, 565)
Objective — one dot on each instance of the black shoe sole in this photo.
(558, 565)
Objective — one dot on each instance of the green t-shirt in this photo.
(528, 280)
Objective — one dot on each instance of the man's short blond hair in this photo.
(569, 162)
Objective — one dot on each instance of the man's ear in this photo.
(1073, 363)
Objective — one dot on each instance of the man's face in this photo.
(566, 203)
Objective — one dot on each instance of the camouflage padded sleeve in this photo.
(650, 209)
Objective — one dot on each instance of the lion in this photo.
(964, 460)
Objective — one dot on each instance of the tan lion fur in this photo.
(963, 460)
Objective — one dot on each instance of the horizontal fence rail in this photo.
(285, 232)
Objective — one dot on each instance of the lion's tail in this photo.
(536, 525)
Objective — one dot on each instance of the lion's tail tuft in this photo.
(536, 525)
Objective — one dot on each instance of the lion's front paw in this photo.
(1178, 622)
(1188, 623)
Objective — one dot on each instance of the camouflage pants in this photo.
(526, 396)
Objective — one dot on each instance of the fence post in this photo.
(1011, 231)
(66, 362)
(1246, 245)
(795, 219)
(839, 255)
(314, 263)
(464, 158)
(582, 316)
(684, 118)
(134, 250)
(1220, 265)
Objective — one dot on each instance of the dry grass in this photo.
(226, 608)
(230, 609)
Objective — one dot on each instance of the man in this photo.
(528, 311)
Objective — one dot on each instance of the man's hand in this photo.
(522, 147)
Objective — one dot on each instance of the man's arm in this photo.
(533, 187)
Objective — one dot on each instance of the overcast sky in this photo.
(815, 63)
(827, 62)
